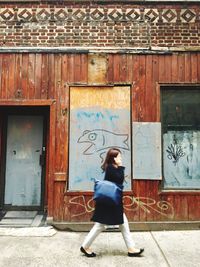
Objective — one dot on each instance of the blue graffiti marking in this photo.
(96, 115)
(111, 117)
(78, 179)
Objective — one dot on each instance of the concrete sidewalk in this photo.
(162, 249)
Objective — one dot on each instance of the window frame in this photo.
(160, 88)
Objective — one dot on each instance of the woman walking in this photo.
(111, 215)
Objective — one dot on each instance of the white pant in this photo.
(99, 227)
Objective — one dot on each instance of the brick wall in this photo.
(103, 25)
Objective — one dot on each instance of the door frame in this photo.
(45, 108)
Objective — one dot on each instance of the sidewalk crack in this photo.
(166, 260)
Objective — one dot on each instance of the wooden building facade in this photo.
(39, 95)
(78, 77)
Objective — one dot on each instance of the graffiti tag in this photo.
(148, 205)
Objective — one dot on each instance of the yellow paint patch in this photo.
(117, 97)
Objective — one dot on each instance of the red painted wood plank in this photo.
(38, 76)
(80, 68)
(194, 66)
(142, 195)
(84, 68)
(44, 78)
(52, 157)
(31, 76)
(181, 68)
(162, 69)
(58, 84)
(193, 208)
(63, 102)
(142, 88)
(110, 72)
(116, 68)
(24, 78)
(71, 68)
(51, 74)
(168, 68)
(152, 199)
(65, 108)
(77, 68)
(66, 125)
(139, 209)
(78, 208)
(11, 78)
(181, 207)
(165, 208)
(47, 170)
(58, 201)
(65, 69)
(131, 206)
(58, 76)
(123, 68)
(187, 67)
(174, 68)
(156, 92)
(135, 89)
(149, 96)
(129, 74)
(5, 76)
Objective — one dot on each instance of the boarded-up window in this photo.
(181, 137)
(147, 150)
(99, 119)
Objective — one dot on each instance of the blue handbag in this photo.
(107, 192)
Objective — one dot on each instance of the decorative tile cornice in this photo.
(154, 15)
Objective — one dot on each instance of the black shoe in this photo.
(135, 254)
(89, 255)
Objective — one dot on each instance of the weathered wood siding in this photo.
(48, 76)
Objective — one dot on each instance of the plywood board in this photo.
(97, 68)
(99, 120)
(147, 150)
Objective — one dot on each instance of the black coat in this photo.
(106, 214)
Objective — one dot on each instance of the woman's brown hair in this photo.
(111, 154)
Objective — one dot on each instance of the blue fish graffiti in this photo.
(100, 140)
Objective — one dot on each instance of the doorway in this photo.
(23, 158)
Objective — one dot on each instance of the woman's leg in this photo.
(124, 228)
(94, 232)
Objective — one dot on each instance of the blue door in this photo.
(23, 171)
